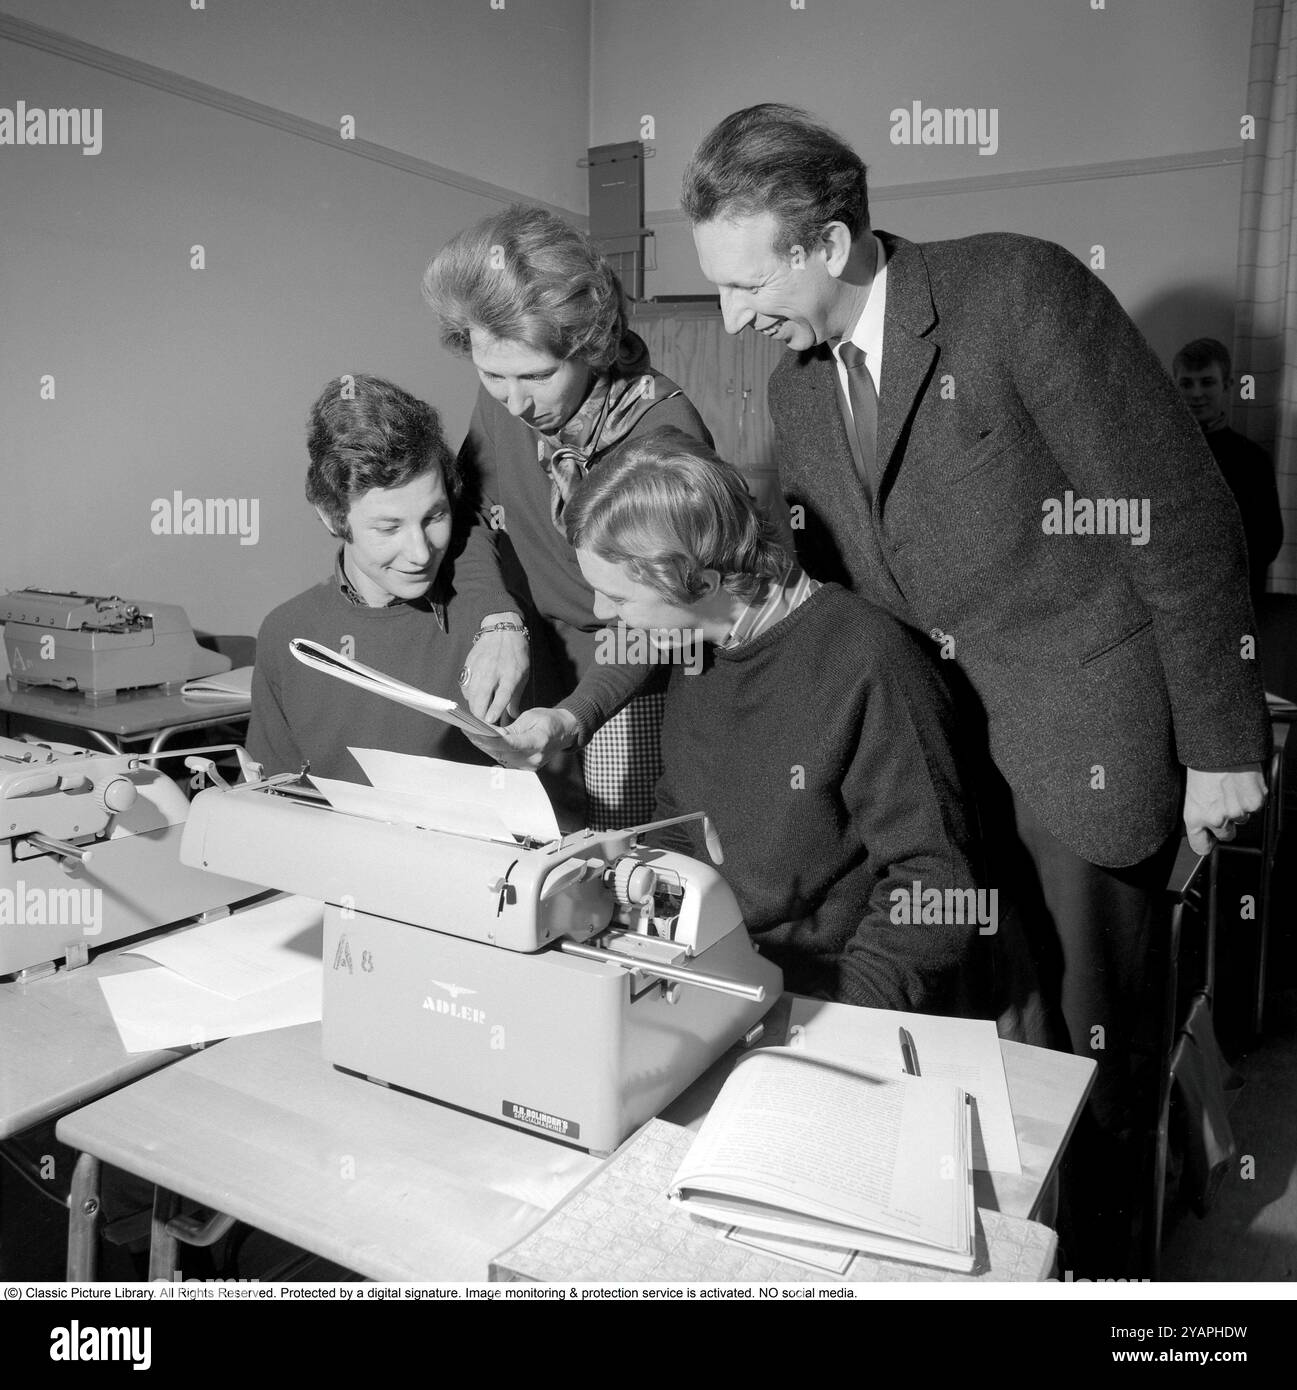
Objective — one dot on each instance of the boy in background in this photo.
(1204, 373)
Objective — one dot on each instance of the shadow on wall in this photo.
(1176, 316)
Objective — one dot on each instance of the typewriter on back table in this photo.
(100, 645)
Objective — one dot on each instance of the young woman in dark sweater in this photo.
(384, 483)
(814, 731)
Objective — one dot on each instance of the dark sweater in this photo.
(822, 751)
(300, 715)
(498, 459)
(1246, 467)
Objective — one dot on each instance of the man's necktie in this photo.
(864, 412)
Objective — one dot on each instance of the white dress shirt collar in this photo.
(868, 331)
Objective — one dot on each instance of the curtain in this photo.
(1265, 342)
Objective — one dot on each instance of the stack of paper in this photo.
(257, 970)
(965, 1051)
(811, 1151)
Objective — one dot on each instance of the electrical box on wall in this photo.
(617, 209)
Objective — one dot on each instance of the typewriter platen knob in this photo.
(116, 795)
(633, 883)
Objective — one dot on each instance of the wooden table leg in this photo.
(83, 1220)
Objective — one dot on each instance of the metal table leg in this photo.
(163, 1246)
(83, 1220)
(1273, 828)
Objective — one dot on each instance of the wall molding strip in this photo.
(20, 31)
(1028, 178)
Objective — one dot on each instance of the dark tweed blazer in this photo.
(1010, 376)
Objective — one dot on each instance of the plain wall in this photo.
(172, 378)
(500, 94)
(1159, 82)
(1072, 85)
(1168, 240)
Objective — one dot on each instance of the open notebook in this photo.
(811, 1150)
(225, 685)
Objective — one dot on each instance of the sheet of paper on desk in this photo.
(495, 801)
(250, 951)
(963, 1050)
(155, 1009)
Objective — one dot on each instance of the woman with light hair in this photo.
(817, 734)
(537, 308)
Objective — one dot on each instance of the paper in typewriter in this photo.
(491, 802)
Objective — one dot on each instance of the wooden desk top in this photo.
(390, 1185)
(399, 1188)
(133, 714)
(59, 1046)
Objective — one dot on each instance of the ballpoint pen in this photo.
(908, 1053)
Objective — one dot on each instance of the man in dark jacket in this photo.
(974, 435)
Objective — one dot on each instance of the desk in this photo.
(264, 1129)
(122, 722)
(396, 1187)
(59, 1047)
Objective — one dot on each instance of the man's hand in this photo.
(495, 670)
(533, 738)
(1217, 803)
